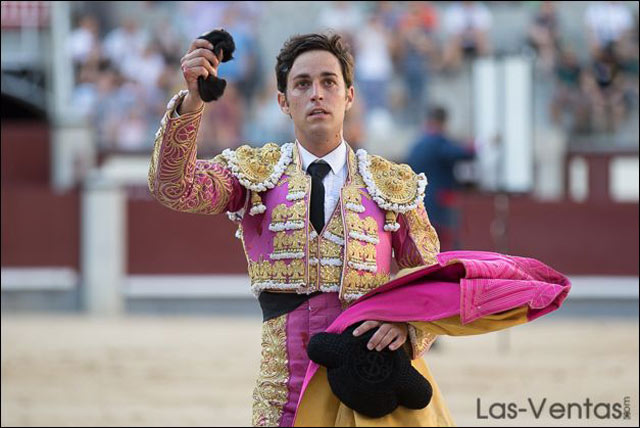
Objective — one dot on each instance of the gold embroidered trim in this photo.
(365, 230)
(271, 393)
(362, 257)
(394, 187)
(259, 169)
(353, 199)
(160, 133)
(284, 217)
(423, 234)
(330, 250)
(278, 275)
(356, 284)
(289, 245)
(176, 178)
(298, 186)
(330, 276)
(335, 229)
(420, 341)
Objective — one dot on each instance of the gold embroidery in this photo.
(289, 243)
(335, 226)
(313, 247)
(279, 214)
(257, 207)
(330, 275)
(362, 257)
(352, 195)
(330, 250)
(363, 229)
(291, 169)
(271, 393)
(313, 276)
(294, 213)
(359, 182)
(257, 164)
(356, 284)
(396, 183)
(420, 341)
(354, 223)
(220, 160)
(298, 211)
(279, 272)
(370, 227)
(176, 178)
(297, 183)
(423, 234)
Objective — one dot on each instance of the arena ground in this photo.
(199, 371)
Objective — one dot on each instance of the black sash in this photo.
(275, 304)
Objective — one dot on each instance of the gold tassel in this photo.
(257, 207)
(390, 223)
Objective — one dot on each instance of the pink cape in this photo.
(472, 284)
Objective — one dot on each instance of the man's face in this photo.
(317, 97)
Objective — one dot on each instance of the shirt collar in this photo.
(336, 158)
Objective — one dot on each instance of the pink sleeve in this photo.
(180, 181)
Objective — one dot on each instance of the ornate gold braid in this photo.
(424, 237)
(420, 341)
(177, 179)
(271, 393)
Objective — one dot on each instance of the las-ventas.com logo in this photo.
(571, 410)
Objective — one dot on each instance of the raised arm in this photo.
(176, 178)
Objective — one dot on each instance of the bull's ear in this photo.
(221, 41)
(212, 88)
(326, 349)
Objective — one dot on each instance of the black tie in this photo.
(317, 170)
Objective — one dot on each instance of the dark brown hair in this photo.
(300, 44)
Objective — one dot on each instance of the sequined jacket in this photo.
(265, 191)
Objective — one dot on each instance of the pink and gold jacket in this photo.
(264, 190)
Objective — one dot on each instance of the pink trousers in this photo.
(284, 358)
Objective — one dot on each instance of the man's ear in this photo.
(283, 103)
(351, 94)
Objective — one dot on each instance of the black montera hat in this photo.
(212, 87)
(370, 382)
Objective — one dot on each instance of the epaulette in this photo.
(394, 187)
(258, 168)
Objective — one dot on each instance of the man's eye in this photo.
(330, 83)
(302, 84)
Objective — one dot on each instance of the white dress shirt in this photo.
(334, 180)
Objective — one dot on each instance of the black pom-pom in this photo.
(212, 87)
(370, 382)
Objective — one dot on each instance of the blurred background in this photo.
(118, 311)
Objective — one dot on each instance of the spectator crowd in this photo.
(126, 62)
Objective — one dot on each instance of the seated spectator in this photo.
(343, 17)
(124, 42)
(146, 67)
(84, 42)
(543, 35)
(604, 85)
(131, 133)
(607, 23)
(416, 50)
(568, 96)
(375, 68)
(467, 25)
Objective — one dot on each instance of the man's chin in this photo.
(319, 127)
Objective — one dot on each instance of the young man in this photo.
(319, 225)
